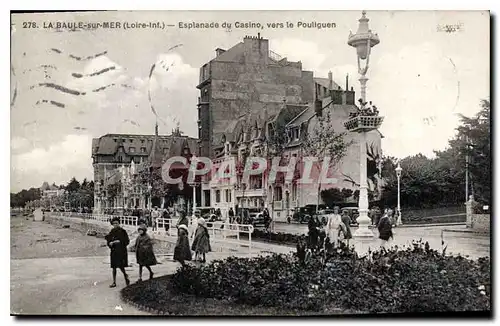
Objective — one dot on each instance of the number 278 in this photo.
(29, 25)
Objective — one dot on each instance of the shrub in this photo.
(417, 279)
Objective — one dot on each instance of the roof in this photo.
(109, 144)
(325, 82)
(288, 113)
(45, 186)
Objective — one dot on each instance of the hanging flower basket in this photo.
(363, 123)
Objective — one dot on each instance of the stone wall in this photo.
(481, 222)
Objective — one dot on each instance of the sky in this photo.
(420, 77)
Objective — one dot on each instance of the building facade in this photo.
(119, 161)
(248, 94)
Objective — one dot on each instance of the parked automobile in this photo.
(323, 215)
(301, 215)
(256, 216)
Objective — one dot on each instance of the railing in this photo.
(278, 205)
(124, 220)
(221, 232)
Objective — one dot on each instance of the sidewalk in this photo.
(399, 226)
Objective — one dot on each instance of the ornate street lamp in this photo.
(364, 120)
(363, 41)
(398, 174)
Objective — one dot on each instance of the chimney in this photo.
(219, 51)
(347, 82)
(330, 80)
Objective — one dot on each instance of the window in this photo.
(143, 149)
(115, 140)
(131, 149)
(130, 140)
(228, 195)
(294, 191)
(217, 196)
(278, 195)
(165, 151)
(142, 141)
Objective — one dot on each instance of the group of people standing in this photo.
(118, 241)
(337, 228)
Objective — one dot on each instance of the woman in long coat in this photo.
(182, 252)
(144, 252)
(117, 241)
(384, 229)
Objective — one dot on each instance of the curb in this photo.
(467, 231)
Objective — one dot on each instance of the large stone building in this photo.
(249, 92)
(119, 158)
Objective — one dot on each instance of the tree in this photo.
(73, 186)
(474, 141)
(322, 142)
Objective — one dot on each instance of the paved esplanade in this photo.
(61, 271)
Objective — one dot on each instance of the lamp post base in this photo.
(363, 231)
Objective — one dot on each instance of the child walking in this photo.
(117, 241)
(182, 252)
(144, 252)
(201, 242)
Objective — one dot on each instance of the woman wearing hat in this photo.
(144, 252)
(118, 241)
(201, 242)
(182, 252)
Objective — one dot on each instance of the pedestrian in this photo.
(201, 242)
(301, 249)
(182, 252)
(267, 218)
(144, 252)
(155, 215)
(183, 220)
(166, 219)
(117, 241)
(333, 226)
(384, 227)
(313, 226)
(346, 220)
(231, 215)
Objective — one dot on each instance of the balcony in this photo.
(363, 123)
(250, 193)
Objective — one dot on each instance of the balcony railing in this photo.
(278, 205)
(250, 193)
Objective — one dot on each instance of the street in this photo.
(469, 244)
